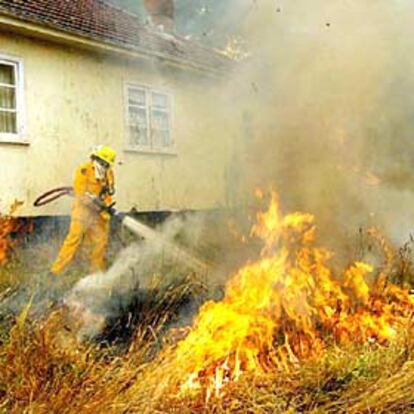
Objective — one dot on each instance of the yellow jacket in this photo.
(86, 183)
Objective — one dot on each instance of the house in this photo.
(76, 73)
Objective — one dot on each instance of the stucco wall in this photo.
(75, 99)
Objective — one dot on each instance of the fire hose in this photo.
(132, 224)
(59, 192)
(53, 195)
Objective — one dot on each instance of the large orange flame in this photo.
(285, 307)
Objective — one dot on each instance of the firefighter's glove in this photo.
(112, 210)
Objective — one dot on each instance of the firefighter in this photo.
(93, 190)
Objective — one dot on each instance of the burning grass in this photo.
(11, 226)
(40, 376)
(288, 336)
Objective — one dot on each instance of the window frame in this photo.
(149, 149)
(19, 136)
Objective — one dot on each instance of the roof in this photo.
(100, 21)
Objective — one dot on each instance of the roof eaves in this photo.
(55, 26)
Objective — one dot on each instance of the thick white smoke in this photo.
(102, 296)
(326, 92)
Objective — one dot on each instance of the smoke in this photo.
(325, 111)
(156, 261)
(321, 108)
(322, 112)
(209, 21)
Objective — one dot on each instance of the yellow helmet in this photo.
(105, 153)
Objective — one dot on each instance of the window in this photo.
(11, 116)
(149, 119)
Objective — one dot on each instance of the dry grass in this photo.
(39, 376)
(43, 369)
(361, 380)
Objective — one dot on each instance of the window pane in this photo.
(165, 138)
(7, 74)
(160, 138)
(138, 136)
(160, 129)
(138, 116)
(160, 120)
(159, 100)
(8, 123)
(137, 97)
(7, 97)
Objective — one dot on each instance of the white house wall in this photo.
(76, 99)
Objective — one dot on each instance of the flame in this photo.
(10, 225)
(236, 48)
(285, 307)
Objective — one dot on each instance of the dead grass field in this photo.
(40, 373)
(44, 369)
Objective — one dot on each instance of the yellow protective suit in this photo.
(89, 226)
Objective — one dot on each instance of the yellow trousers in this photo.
(90, 233)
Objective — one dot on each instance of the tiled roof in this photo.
(98, 20)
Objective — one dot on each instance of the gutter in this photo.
(46, 31)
